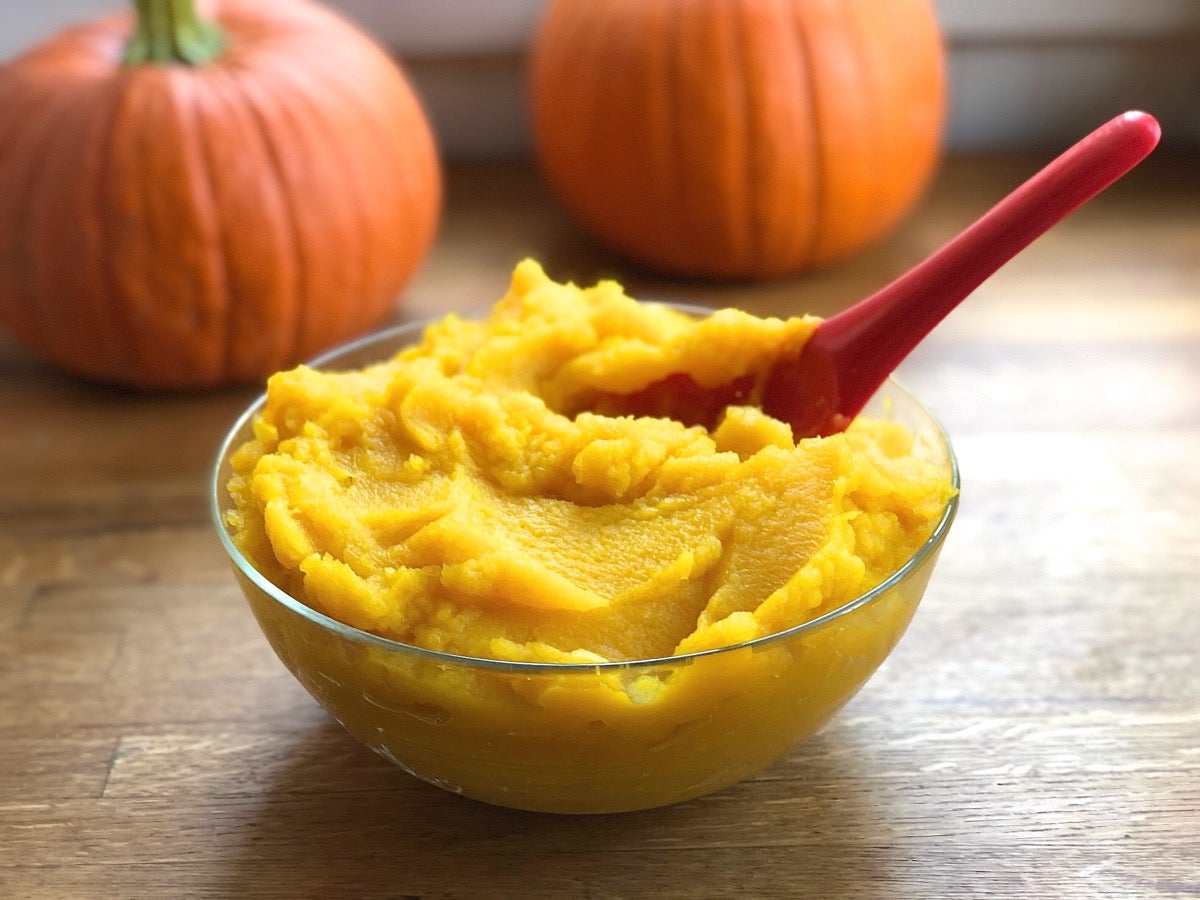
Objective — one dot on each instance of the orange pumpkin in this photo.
(191, 200)
(738, 138)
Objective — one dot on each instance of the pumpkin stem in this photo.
(171, 31)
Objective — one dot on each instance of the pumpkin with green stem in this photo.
(200, 195)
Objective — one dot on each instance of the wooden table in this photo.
(1036, 734)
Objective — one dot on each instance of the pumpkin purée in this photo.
(499, 491)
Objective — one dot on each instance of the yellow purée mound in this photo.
(579, 477)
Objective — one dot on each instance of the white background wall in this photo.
(1023, 72)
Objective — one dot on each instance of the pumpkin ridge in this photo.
(218, 238)
(791, 176)
(806, 64)
(585, 195)
(69, 288)
(122, 348)
(335, 221)
(291, 226)
(720, 172)
(204, 177)
(24, 146)
(671, 149)
(667, 184)
(848, 169)
(384, 145)
(178, 300)
(636, 212)
(752, 169)
(109, 219)
(66, 332)
(106, 296)
(141, 303)
(390, 142)
(334, 148)
(742, 244)
(685, 225)
(621, 194)
(254, 303)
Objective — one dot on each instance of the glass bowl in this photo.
(587, 738)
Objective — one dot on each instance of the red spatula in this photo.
(852, 353)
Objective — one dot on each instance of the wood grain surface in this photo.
(1036, 733)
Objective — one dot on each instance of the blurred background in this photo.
(1023, 74)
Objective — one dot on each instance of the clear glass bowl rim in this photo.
(393, 334)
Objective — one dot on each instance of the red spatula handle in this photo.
(868, 341)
